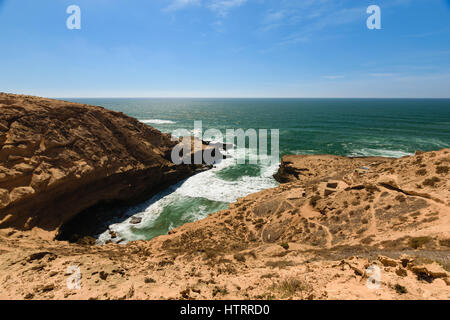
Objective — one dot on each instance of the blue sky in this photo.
(225, 48)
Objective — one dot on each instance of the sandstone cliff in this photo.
(58, 158)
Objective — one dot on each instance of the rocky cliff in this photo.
(58, 158)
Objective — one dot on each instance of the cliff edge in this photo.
(58, 158)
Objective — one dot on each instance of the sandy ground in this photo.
(339, 228)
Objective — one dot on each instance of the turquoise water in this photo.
(352, 127)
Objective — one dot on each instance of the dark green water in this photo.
(356, 127)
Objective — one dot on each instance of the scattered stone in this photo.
(130, 293)
(332, 185)
(405, 260)
(52, 273)
(401, 272)
(103, 275)
(429, 272)
(149, 280)
(135, 220)
(185, 293)
(29, 296)
(48, 288)
(41, 255)
(239, 257)
(387, 262)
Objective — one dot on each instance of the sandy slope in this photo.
(312, 237)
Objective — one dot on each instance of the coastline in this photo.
(312, 237)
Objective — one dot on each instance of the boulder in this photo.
(135, 220)
(387, 262)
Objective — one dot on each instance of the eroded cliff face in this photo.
(58, 158)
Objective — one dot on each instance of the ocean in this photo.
(346, 127)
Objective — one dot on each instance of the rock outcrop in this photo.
(58, 158)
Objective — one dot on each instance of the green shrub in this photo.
(418, 242)
(400, 289)
(313, 200)
(442, 170)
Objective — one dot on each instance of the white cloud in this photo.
(312, 24)
(333, 77)
(222, 7)
(311, 17)
(382, 75)
(181, 4)
(275, 16)
(273, 20)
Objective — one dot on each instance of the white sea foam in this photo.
(368, 152)
(210, 186)
(303, 152)
(207, 185)
(148, 212)
(157, 121)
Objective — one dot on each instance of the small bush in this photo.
(279, 264)
(367, 240)
(418, 242)
(210, 254)
(442, 170)
(431, 182)
(421, 172)
(400, 289)
(270, 275)
(371, 188)
(219, 290)
(239, 257)
(313, 200)
(284, 245)
(291, 286)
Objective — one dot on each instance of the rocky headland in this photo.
(59, 158)
(318, 235)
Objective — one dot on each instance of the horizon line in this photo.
(218, 97)
(221, 97)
